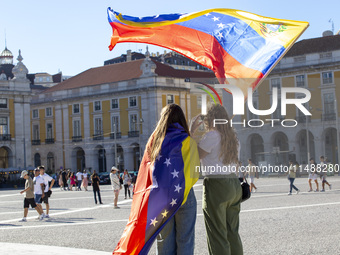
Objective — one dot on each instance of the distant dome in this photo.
(6, 57)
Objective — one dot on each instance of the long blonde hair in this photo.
(170, 114)
(229, 141)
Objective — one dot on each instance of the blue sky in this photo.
(73, 36)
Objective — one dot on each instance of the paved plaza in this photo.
(271, 222)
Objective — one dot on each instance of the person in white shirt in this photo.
(85, 180)
(222, 193)
(252, 174)
(80, 177)
(323, 174)
(38, 190)
(115, 184)
(47, 189)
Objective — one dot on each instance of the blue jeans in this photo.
(291, 180)
(178, 235)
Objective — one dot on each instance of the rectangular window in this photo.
(133, 122)
(276, 83)
(36, 132)
(49, 131)
(98, 126)
(300, 81)
(252, 115)
(76, 128)
(277, 113)
(328, 101)
(76, 108)
(48, 112)
(35, 114)
(97, 106)
(327, 78)
(3, 103)
(3, 126)
(132, 101)
(114, 104)
(115, 124)
(170, 99)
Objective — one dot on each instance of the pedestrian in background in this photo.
(313, 176)
(85, 180)
(116, 186)
(64, 175)
(252, 174)
(72, 180)
(47, 189)
(126, 183)
(323, 174)
(29, 196)
(291, 176)
(95, 186)
(38, 189)
(61, 183)
(80, 177)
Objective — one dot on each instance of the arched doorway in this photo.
(101, 156)
(280, 151)
(5, 157)
(302, 143)
(37, 160)
(50, 162)
(330, 139)
(256, 148)
(78, 158)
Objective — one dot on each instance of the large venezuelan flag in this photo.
(234, 44)
(161, 188)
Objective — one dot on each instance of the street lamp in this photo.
(140, 151)
(115, 139)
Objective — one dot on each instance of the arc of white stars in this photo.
(220, 25)
(167, 162)
(178, 188)
(216, 18)
(174, 173)
(165, 213)
(153, 222)
(207, 14)
(173, 202)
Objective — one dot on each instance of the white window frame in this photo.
(7, 124)
(323, 80)
(36, 136)
(135, 101)
(112, 103)
(94, 125)
(37, 111)
(136, 124)
(167, 99)
(47, 133)
(117, 126)
(6, 103)
(74, 126)
(78, 109)
(271, 83)
(304, 81)
(94, 106)
(46, 111)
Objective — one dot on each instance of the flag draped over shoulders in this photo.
(161, 188)
(234, 44)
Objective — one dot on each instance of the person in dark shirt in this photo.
(95, 186)
(64, 179)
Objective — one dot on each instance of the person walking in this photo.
(60, 180)
(29, 196)
(222, 191)
(291, 176)
(323, 174)
(80, 177)
(95, 186)
(313, 176)
(72, 180)
(85, 180)
(38, 190)
(252, 173)
(240, 172)
(64, 177)
(126, 182)
(116, 186)
(47, 189)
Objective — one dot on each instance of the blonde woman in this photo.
(222, 193)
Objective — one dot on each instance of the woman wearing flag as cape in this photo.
(164, 198)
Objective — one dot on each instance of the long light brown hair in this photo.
(229, 141)
(170, 114)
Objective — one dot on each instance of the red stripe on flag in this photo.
(198, 46)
